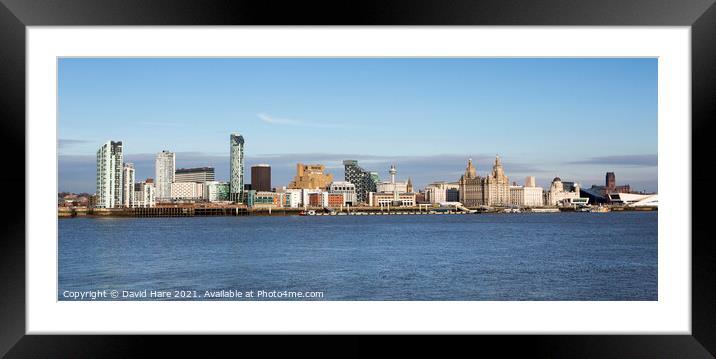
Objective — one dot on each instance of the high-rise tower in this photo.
(236, 167)
(128, 185)
(109, 175)
(164, 166)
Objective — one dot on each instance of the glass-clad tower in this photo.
(236, 168)
(109, 175)
(362, 179)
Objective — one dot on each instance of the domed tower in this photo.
(470, 171)
(557, 185)
(497, 169)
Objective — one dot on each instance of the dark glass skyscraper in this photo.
(361, 178)
(261, 178)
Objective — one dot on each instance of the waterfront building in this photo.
(164, 166)
(199, 174)
(215, 191)
(442, 192)
(236, 167)
(600, 194)
(471, 187)
(144, 194)
(394, 193)
(394, 186)
(492, 190)
(187, 191)
(335, 200)
(292, 197)
(128, 184)
(528, 195)
(318, 199)
(557, 192)
(311, 177)
(263, 199)
(390, 199)
(635, 199)
(497, 186)
(363, 180)
(305, 193)
(109, 175)
(261, 177)
(524, 196)
(420, 198)
(346, 189)
(453, 194)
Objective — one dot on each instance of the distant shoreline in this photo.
(232, 211)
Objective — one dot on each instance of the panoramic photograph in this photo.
(357, 179)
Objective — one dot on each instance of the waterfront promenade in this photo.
(240, 210)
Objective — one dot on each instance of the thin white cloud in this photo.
(291, 122)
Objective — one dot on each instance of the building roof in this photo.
(195, 169)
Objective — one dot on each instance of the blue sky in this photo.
(573, 118)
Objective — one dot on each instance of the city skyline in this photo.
(579, 117)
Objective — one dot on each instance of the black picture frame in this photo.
(15, 15)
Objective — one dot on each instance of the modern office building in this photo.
(364, 181)
(261, 177)
(236, 168)
(258, 199)
(187, 191)
(109, 175)
(128, 184)
(164, 166)
(453, 194)
(198, 174)
(292, 198)
(311, 177)
(345, 188)
(215, 191)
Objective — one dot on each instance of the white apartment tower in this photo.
(164, 166)
(128, 185)
(109, 175)
(236, 167)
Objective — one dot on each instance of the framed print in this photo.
(281, 176)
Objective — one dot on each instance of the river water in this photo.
(530, 256)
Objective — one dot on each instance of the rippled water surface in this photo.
(549, 256)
